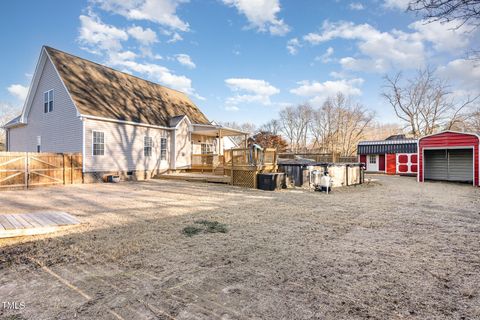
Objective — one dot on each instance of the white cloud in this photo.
(106, 40)
(144, 36)
(94, 33)
(382, 50)
(261, 14)
(396, 4)
(465, 73)
(356, 6)
(319, 91)
(444, 36)
(162, 12)
(184, 59)
(175, 38)
(232, 108)
(327, 56)
(19, 91)
(293, 45)
(250, 90)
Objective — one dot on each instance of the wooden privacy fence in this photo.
(28, 169)
(320, 157)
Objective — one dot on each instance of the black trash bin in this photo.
(270, 181)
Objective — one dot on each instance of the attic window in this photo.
(48, 101)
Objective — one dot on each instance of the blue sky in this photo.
(240, 60)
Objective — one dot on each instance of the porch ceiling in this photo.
(216, 131)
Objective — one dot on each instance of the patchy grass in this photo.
(207, 226)
(191, 231)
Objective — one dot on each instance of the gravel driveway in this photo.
(389, 249)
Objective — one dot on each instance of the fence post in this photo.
(63, 165)
(232, 165)
(26, 170)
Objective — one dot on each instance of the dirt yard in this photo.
(393, 249)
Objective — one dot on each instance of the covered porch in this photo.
(209, 145)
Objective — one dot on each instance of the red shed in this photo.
(449, 156)
(394, 155)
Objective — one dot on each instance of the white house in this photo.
(120, 123)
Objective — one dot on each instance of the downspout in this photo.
(83, 145)
(7, 140)
(173, 157)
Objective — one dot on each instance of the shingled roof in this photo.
(101, 91)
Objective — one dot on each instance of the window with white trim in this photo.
(206, 148)
(98, 145)
(373, 159)
(147, 146)
(48, 101)
(163, 148)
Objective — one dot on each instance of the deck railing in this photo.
(207, 162)
(241, 164)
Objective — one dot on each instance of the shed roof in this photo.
(103, 92)
(387, 146)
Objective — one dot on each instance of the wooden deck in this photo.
(27, 224)
(197, 177)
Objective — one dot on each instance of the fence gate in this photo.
(45, 169)
(22, 169)
(12, 169)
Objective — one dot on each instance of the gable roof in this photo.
(477, 134)
(103, 92)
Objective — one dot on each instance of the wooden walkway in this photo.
(27, 224)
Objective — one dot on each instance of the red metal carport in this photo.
(449, 156)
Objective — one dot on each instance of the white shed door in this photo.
(372, 162)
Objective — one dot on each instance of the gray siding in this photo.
(183, 148)
(60, 130)
(124, 148)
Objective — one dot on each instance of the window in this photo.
(48, 101)
(98, 143)
(163, 149)
(207, 148)
(147, 146)
(372, 159)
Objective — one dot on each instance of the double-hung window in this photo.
(206, 148)
(48, 101)
(163, 148)
(147, 146)
(98, 143)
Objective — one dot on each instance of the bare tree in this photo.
(7, 113)
(273, 126)
(294, 124)
(381, 131)
(339, 125)
(461, 11)
(424, 102)
(246, 127)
